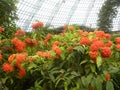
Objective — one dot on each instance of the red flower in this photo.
(20, 33)
(70, 28)
(21, 57)
(0, 56)
(107, 76)
(19, 45)
(96, 45)
(56, 43)
(108, 44)
(22, 72)
(39, 53)
(108, 36)
(48, 36)
(28, 41)
(117, 40)
(47, 55)
(56, 49)
(85, 34)
(31, 59)
(7, 67)
(117, 46)
(93, 54)
(1, 29)
(100, 34)
(37, 25)
(106, 52)
(11, 58)
(70, 48)
(85, 41)
(80, 32)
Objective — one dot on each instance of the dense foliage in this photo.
(71, 60)
(8, 16)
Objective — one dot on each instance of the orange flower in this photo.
(93, 54)
(80, 32)
(108, 44)
(21, 57)
(84, 34)
(100, 34)
(0, 56)
(106, 52)
(37, 25)
(70, 28)
(70, 48)
(47, 55)
(28, 41)
(11, 58)
(56, 43)
(19, 45)
(20, 33)
(31, 59)
(96, 45)
(48, 36)
(7, 67)
(117, 46)
(85, 41)
(107, 76)
(1, 29)
(107, 36)
(21, 73)
(39, 53)
(56, 49)
(117, 40)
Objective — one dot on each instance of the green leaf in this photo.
(83, 62)
(109, 85)
(92, 67)
(98, 84)
(99, 61)
(79, 49)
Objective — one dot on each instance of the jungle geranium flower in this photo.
(107, 36)
(56, 49)
(117, 46)
(96, 45)
(28, 41)
(100, 34)
(56, 43)
(70, 48)
(48, 36)
(37, 25)
(85, 34)
(106, 52)
(85, 41)
(0, 56)
(1, 29)
(93, 54)
(70, 28)
(39, 53)
(7, 67)
(19, 45)
(21, 57)
(31, 59)
(117, 40)
(21, 72)
(47, 55)
(108, 44)
(20, 33)
(11, 58)
(80, 32)
(107, 76)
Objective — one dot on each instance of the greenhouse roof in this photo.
(60, 12)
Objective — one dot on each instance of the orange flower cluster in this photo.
(44, 54)
(106, 52)
(20, 33)
(37, 25)
(117, 46)
(93, 54)
(19, 45)
(47, 38)
(0, 56)
(96, 45)
(7, 67)
(107, 76)
(55, 47)
(70, 48)
(31, 42)
(117, 40)
(100, 34)
(109, 44)
(85, 41)
(18, 59)
(1, 29)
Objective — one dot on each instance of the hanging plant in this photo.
(107, 13)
